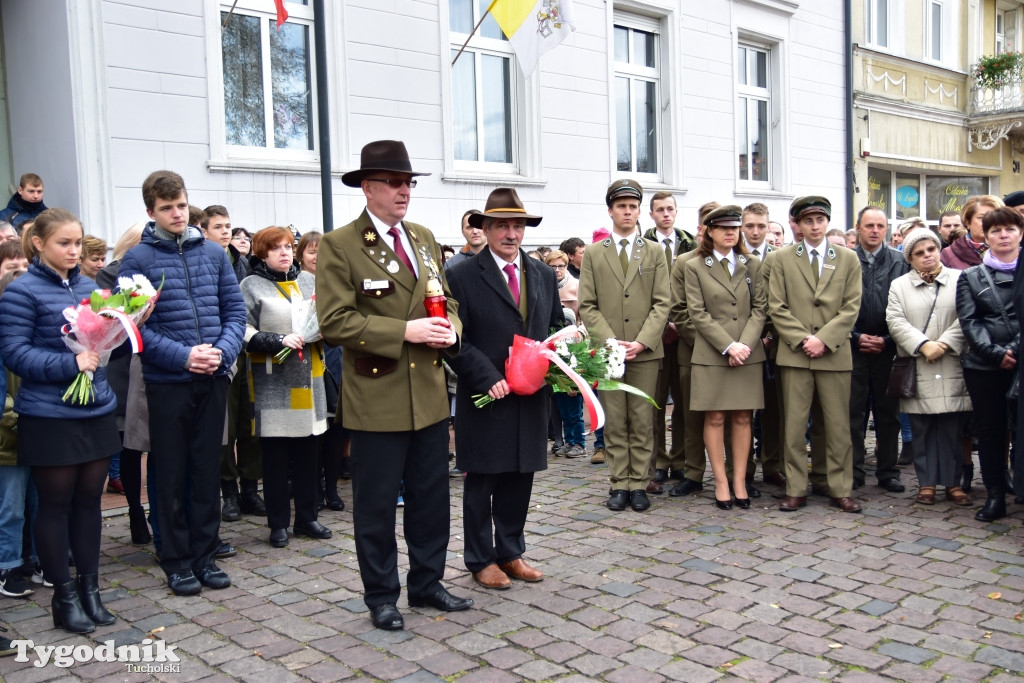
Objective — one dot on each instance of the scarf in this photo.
(978, 247)
(990, 260)
(930, 276)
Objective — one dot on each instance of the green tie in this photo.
(623, 256)
(725, 267)
(668, 251)
(814, 265)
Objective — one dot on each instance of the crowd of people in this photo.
(771, 353)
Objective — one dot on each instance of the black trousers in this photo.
(668, 379)
(380, 462)
(991, 423)
(871, 376)
(501, 500)
(186, 427)
(301, 453)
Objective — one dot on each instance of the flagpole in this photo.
(473, 32)
(226, 18)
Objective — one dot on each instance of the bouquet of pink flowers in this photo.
(103, 322)
(580, 364)
(305, 324)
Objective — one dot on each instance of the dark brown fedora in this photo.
(503, 203)
(380, 155)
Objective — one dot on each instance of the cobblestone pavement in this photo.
(683, 592)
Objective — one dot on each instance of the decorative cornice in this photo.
(940, 90)
(908, 109)
(887, 80)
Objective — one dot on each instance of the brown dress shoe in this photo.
(793, 503)
(846, 504)
(654, 488)
(926, 495)
(518, 569)
(492, 577)
(777, 478)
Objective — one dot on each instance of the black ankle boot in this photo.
(250, 501)
(67, 609)
(89, 593)
(995, 508)
(139, 527)
(968, 477)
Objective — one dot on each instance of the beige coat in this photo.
(388, 384)
(722, 309)
(569, 294)
(940, 385)
(633, 307)
(828, 310)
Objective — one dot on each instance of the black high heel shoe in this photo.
(726, 504)
(743, 503)
(68, 613)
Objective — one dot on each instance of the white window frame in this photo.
(778, 139)
(525, 167)
(1010, 36)
(228, 157)
(636, 73)
(871, 14)
(745, 94)
(658, 19)
(947, 32)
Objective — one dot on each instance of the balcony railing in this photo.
(1006, 98)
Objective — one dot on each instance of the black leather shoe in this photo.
(618, 500)
(660, 476)
(335, 503)
(892, 485)
(214, 577)
(184, 582)
(638, 500)
(225, 550)
(442, 600)
(995, 508)
(279, 538)
(312, 529)
(230, 512)
(743, 503)
(387, 617)
(685, 488)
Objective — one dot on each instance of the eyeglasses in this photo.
(559, 267)
(394, 182)
(241, 238)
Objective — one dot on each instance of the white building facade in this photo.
(735, 101)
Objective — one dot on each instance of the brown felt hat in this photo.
(503, 203)
(380, 155)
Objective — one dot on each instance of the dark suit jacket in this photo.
(509, 435)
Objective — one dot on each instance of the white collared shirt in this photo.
(502, 263)
(671, 237)
(616, 239)
(822, 250)
(382, 230)
(730, 258)
(761, 250)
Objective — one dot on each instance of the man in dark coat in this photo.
(501, 293)
(26, 203)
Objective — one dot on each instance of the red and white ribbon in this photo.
(594, 408)
(134, 336)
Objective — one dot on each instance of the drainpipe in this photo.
(850, 178)
(323, 115)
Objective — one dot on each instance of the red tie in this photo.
(513, 281)
(400, 250)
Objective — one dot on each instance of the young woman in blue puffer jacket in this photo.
(66, 445)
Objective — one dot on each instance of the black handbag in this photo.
(903, 376)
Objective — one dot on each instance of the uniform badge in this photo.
(708, 261)
(800, 250)
(832, 253)
(393, 267)
(370, 236)
(742, 259)
(608, 242)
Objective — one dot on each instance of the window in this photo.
(753, 111)
(878, 22)
(483, 90)
(936, 27)
(1006, 30)
(636, 89)
(268, 99)
(907, 195)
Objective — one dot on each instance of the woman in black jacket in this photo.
(984, 304)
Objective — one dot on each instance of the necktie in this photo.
(814, 265)
(400, 250)
(623, 256)
(756, 252)
(513, 281)
(725, 267)
(668, 251)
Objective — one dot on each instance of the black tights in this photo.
(69, 515)
(131, 476)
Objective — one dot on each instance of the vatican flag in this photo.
(533, 27)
